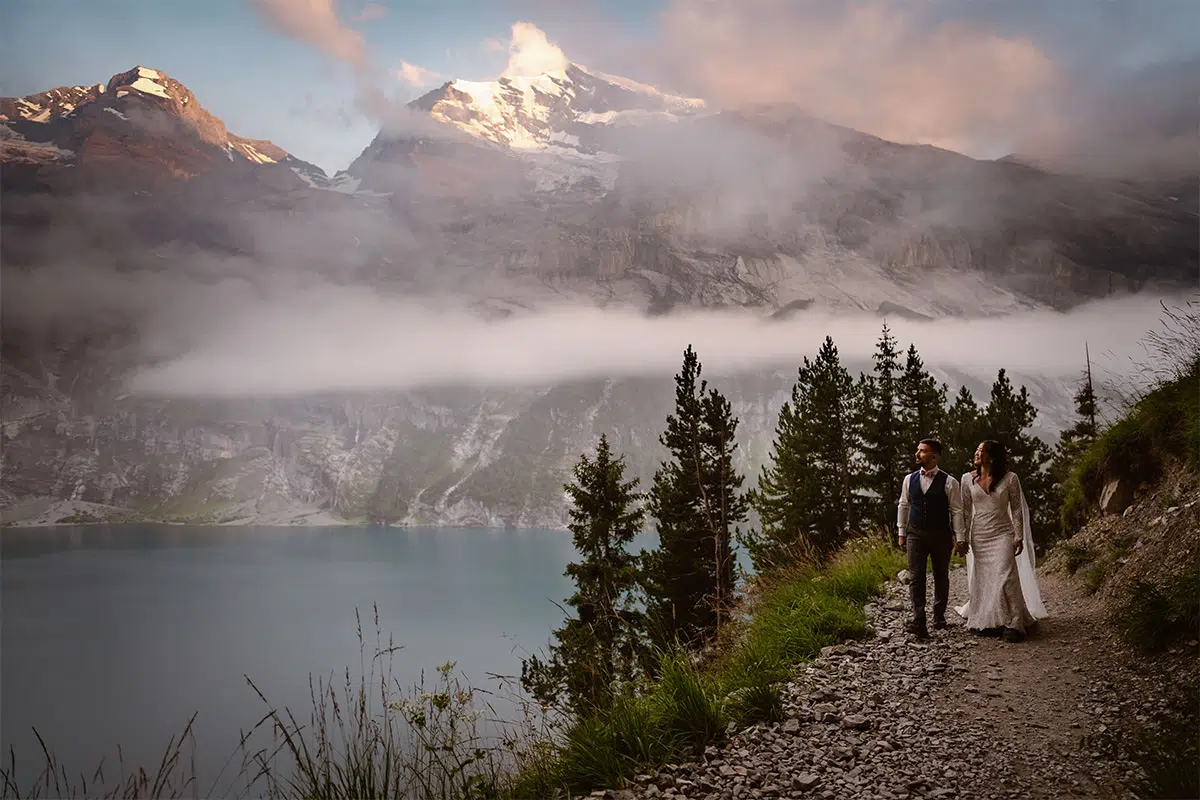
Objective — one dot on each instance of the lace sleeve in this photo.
(1014, 508)
(968, 507)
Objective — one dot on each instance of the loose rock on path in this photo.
(956, 715)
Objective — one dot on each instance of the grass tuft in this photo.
(1074, 556)
(1152, 617)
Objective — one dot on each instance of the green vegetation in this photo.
(598, 651)
(806, 495)
(884, 449)
(1074, 556)
(1164, 424)
(696, 503)
(1152, 617)
(689, 703)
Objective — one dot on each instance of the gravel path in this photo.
(954, 716)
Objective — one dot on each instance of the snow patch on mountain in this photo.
(249, 151)
(554, 120)
(150, 87)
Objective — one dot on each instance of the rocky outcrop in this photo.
(1117, 495)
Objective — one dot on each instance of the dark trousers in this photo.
(924, 546)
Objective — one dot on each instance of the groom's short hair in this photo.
(933, 444)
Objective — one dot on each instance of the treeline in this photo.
(841, 449)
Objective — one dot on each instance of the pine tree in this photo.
(885, 451)
(963, 428)
(786, 496)
(1074, 441)
(724, 504)
(806, 494)
(696, 506)
(922, 401)
(1007, 417)
(596, 650)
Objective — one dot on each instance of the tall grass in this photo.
(174, 776)
(369, 738)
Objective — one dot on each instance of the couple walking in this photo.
(982, 516)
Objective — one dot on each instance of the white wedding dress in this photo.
(1002, 588)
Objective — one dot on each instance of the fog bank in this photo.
(345, 339)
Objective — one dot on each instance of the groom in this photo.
(930, 505)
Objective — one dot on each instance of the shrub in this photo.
(1074, 556)
(1095, 577)
(1152, 618)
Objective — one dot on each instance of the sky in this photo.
(984, 77)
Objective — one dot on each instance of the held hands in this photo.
(1018, 546)
(961, 548)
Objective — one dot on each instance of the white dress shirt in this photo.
(952, 492)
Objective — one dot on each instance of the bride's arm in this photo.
(1014, 508)
(968, 508)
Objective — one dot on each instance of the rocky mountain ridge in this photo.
(141, 119)
(764, 209)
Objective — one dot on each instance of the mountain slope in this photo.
(141, 127)
(133, 222)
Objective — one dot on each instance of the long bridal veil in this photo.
(1025, 571)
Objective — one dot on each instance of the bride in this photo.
(1002, 587)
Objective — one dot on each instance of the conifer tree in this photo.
(922, 401)
(724, 504)
(696, 505)
(1075, 440)
(1007, 418)
(596, 650)
(963, 428)
(786, 497)
(885, 451)
(807, 492)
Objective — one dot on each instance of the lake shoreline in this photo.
(50, 514)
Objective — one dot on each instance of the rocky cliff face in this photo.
(140, 128)
(572, 188)
(459, 458)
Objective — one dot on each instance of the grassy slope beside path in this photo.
(795, 614)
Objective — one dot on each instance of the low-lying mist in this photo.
(346, 339)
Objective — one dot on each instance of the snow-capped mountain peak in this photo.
(534, 112)
(141, 113)
(564, 114)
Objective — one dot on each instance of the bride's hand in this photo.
(1018, 546)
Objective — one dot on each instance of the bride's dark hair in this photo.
(998, 457)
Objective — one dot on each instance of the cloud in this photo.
(877, 66)
(1143, 123)
(371, 12)
(531, 53)
(316, 23)
(331, 339)
(414, 75)
(1059, 84)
